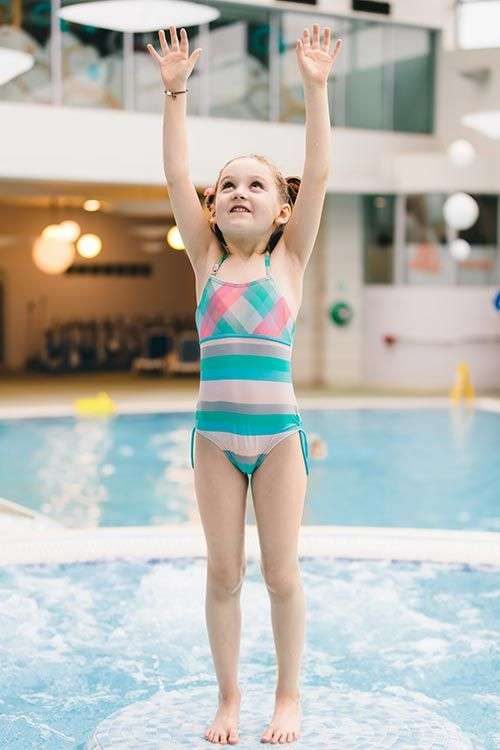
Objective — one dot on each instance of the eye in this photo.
(228, 182)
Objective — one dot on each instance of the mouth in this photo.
(239, 211)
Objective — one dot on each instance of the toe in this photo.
(233, 736)
(289, 737)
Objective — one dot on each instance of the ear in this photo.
(284, 215)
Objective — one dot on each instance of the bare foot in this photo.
(224, 728)
(285, 724)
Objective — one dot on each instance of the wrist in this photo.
(316, 85)
(175, 85)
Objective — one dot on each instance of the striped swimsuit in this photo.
(246, 403)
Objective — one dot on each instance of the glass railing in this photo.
(383, 80)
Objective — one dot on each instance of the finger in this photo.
(305, 39)
(326, 38)
(163, 42)
(174, 42)
(315, 37)
(184, 39)
(153, 53)
(336, 49)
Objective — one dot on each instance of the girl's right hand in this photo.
(175, 64)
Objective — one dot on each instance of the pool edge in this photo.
(53, 546)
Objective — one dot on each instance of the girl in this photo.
(247, 422)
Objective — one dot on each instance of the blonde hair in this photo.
(287, 187)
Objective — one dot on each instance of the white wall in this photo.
(41, 142)
(428, 318)
(429, 13)
(343, 281)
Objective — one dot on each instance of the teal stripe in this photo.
(246, 424)
(243, 362)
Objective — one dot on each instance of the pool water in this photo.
(403, 650)
(404, 468)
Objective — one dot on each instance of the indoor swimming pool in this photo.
(397, 654)
(422, 468)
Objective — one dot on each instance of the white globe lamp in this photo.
(89, 245)
(460, 211)
(53, 255)
(459, 249)
(70, 230)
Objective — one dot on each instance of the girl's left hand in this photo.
(314, 57)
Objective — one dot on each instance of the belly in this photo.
(246, 387)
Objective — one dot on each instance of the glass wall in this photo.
(482, 266)
(423, 255)
(425, 252)
(25, 26)
(384, 78)
(378, 233)
(92, 65)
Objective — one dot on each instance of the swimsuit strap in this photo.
(268, 264)
(219, 262)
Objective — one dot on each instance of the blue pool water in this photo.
(391, 648)
(421, 468)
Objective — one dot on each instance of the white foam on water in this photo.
(331, 719)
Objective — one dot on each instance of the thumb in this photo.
(193, 57)
(192, 60)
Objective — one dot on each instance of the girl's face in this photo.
(248, 183)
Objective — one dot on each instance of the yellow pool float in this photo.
(95, 406)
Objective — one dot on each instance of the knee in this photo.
(225, 577)
(281, 581)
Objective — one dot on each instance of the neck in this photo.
(246, 251)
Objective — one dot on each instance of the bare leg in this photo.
(278, 490)
(221, 492)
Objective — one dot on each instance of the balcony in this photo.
(384, 79)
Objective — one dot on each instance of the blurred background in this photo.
(404, 281)
(400, 310)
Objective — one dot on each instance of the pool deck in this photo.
(25, 540)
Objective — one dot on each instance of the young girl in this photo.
(249, 256)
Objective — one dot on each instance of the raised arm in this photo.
(315, 61)
(175, 66)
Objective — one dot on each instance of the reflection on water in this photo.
(72, 464)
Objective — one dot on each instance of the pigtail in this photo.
(293, 185)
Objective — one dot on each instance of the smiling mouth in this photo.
(239, 211)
